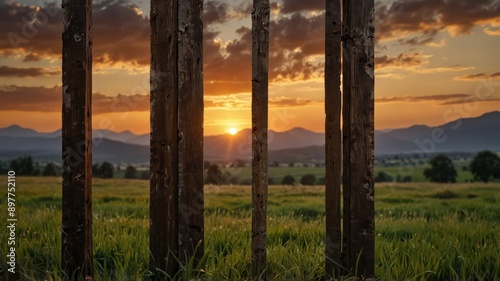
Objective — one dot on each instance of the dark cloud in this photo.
(402, 60)
(294, 41)
(7, 71)
(419, 21)
(470, 99)
(479, 76)
(292, 6)
(414, 62)
(120, 31)
(441, 98)
(215, 12)
(121, 35)
(49, 99)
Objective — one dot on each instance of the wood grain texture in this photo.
(358, 133)
(77, 139)
(260, 65)
(333, 137)
(164, 138)
(190, 100)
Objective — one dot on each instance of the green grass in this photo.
(277, 173)
(423, 231)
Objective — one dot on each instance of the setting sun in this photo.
(233, 131)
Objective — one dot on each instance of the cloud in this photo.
(479, 76)
(295, 44)
(120, 32)
(413, 62)
(492, 32)
(49, 99)
(7, 71)
(215, 12)
(450, 99)
(417, 22)
(470, 99)
(243, 102)
(121, 38)
(288, 102)
(421, 98)
(403, 60)
(293, 6)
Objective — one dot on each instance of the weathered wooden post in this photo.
(333, 135)
(190, 100)
(176, 187)
(163, 204)
(260, 65)
(358, 136)
(77, 139)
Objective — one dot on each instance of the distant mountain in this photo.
(462, 135)
(18, 131)
(124, 136)
(296, 145)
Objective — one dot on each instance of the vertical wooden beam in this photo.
(190, 99)
(333, 147)
(164, 138)
(260, 65)
(358, 133)
(77, 139)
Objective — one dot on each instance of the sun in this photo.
(232, 131)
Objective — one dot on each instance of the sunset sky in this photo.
(436, 61)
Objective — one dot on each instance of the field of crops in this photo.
(423, 231)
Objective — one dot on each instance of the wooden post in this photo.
(176, 187)
(190, 99)
(358, 134)
(164, 138)
(260, 65)
(77, 139)
(333, 142)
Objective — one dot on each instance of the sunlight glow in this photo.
(233, 131)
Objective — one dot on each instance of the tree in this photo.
(145, 175)
(216, 176)
(96, 171)
(383, 177)
(288, 180)
(308, 179)
(130, 172)
(50, 170)
(407, 179)
(441, 170)
(23, 166)
(485, 166)
(105, 170)
(2, 168)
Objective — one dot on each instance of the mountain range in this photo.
(295, 145)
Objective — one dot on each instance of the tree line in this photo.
(484, 167)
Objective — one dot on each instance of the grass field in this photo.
(423, 231)
(277, 173)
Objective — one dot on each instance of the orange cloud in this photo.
(415, 62)
(421, 98)
(416, 22)
(403, 60)
(49, 99)
(243, 102)
(449, 99)
(479, 76)
(7, 71)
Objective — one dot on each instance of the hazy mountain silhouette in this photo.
(295, 145)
